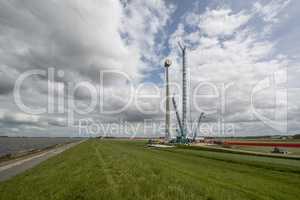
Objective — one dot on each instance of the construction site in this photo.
(101, 100)
(182, 165)
(191, 136)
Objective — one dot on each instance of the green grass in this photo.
(292, 151)
(110, 169)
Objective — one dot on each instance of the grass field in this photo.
(110, 169)
(292, 151)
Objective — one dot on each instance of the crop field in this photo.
(113, 169)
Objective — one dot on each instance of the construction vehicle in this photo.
(181, 134)
(279, 151)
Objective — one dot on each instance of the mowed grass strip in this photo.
(111, 169)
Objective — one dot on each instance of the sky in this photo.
(95, 68)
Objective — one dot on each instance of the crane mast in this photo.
(184, 90)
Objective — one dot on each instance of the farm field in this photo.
(112, 169)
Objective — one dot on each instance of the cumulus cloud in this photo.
(67, 35)
(271, 10)
(81, 40)
(221, 22)
(19, 118)
(127, 40)
(228, 54)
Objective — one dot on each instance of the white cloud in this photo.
(83, 38)
(221, 22)
(271, 10)
(143, 23)
(225, 47)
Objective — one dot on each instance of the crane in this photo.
(177, 116)
(198, 124)
(181, 138)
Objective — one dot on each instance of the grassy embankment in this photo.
(292, 151)
(106, 169)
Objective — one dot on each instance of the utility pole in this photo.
(167, 132)
(184, 95)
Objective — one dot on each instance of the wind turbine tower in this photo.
(167, 131)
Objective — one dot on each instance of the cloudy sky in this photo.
(66, 64)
